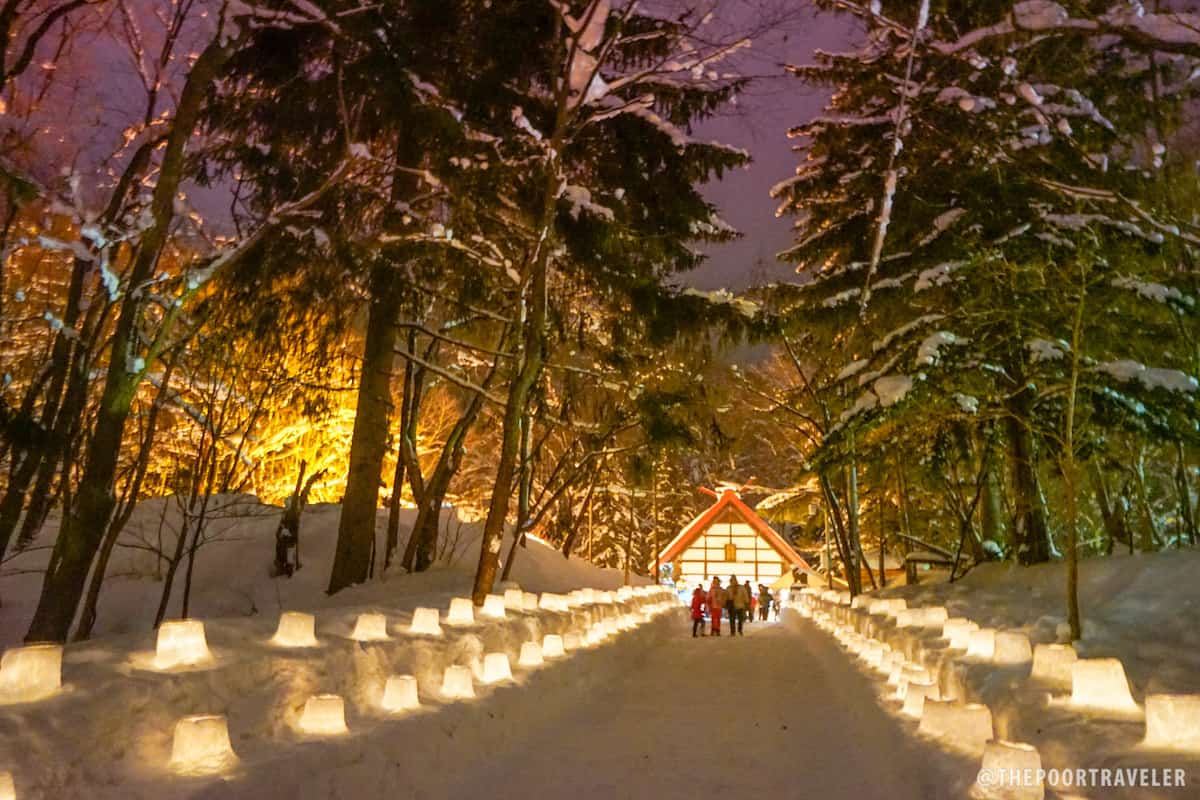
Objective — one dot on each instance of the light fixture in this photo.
(457, 683)
(425, 622)
(1020, 760)
(529, 601)
(966, 727)
(496, 668)
(324, 715)
(1100, 684)
(1052, 665)
(181, 642)
(201, 746)
(981, 644)
(531, 655)
(30, 673)
(571, 641)
(493, 607)
(296, 629)
(400, 694)
(8, 789)
(1012, 648)
(462, 612)
(552, 646)
(514, 599)
(370, 627)
(1173, 721)
(553, 602)
(915, 695)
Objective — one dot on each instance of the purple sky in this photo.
(760, 125)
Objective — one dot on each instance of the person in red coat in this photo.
(699, 601)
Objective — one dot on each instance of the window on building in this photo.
(731, 552)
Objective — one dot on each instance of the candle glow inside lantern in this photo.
(1052, 664)
(181, 642)
(370, 628)
(553, 602)
(1100, 684)
(426, 622)
(861, 601)
(624, 593)
(457, 683)
(201, 746)
(962, 727)
(496, 668)
(462, 612)
(981, 644)
(531, 655)
(934, 617)
(956, 629)
(895, 605)
(1012, 648)
(552, 646)
(296, 629)
(915, 695)
(910, 673)
(1017, 759)
(588, 595)
(514, 599)
(493, 607)
(529, 601)
(400, 694)
(30, 673)
(8, 790)
(571, 641)
(1173, 721)
(324, 715)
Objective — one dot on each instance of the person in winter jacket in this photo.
(699, 601)
(716, 602)
(738, 603)
(764, 602)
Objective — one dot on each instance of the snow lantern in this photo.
(296, 629)
(529, 601)
(966, 727)
(960, 637)
(911, 618)
(934, 617)
(588, 595)
(400, 694)
(181, 642)
(324, 715)
(496, 668)
(861, 601)
(552, 646)
(1100, 684)
(1012, 648)
(201, 745)
(1052, 664)
(981, 644)
(462, 612)
(552, 602)
(457, 683)
(493, 607)
(514, 599)
(1173, 721)
(610, 626)
(957, 628)
(531, 655)
(425, 622)
(1002, 759)
(571, 641)
(843, 598)
(915, 695)
(910, 673)
(370, 628)
(8, 790)
(624, 593)
(874, 653)
(30, 673)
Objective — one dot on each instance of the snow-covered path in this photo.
(780, 712)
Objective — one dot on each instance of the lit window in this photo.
(731, 552)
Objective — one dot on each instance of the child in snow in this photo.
(716, 601)
(699, 600)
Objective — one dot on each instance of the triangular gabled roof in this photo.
(728, 499)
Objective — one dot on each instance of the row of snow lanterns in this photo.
(201, 742)
(1097, 685)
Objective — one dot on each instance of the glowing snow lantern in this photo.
(1100, 684)
(370, 628)
(877, 607)
(911, 618)
(296, 629)
(588, 595)
(8, 790)
(861, 601)
(514, 599)
(30, 673)
(934, 617)
(181, 642)
(529, 601)
(493, 607)
(552, 646)
(457, 682)
(201, 745)
(956, 629)
(1001, 758)
(324, 715)
(960, 638)
(843, 599)
(910, 673)
(553, 602)
(982, 644)
(571, 641)
(496, 668)
(915, 695)
(1173, 721)
(462, 612)
(425, 621)
(531, 655)
(1052, 664)
(624, 593)
(610, 627)
(1012, 648)
(400, 694)
(961, 727)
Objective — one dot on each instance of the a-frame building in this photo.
(729, 539)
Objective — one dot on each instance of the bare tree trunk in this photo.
(1183, 490)
(1031, 534)
(524, 481)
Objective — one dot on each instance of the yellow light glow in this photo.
(493, 607)
(915, 695)
(531, 655)
(981, 644)
(425, 622)
(571, 641)
(370, 627)
(457, 683)
(552, 646)
(1052, 665)
(514, 599)
(1012, 648)
(462, 612)
(296, 629)
(181, 642)
(324, 715)
(201, 746)
(553, 602)
(1014, 758)
(1099, 684)
(8, 789)
(30, 673)
(400, 694)
(496, 668)
(1173, 721)
(529, 601)
(961, 727)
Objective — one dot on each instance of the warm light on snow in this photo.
(457, 683)
(982, 644)
(962, 727)
(8, 790)
(514, 599)
(553, 602)
(1100, 684)
(493, 607)
(624, 593)
(425, 622)
(1012, 648)
(462, 612)
(1173, 721)
(571, 641)
(552, 646)
(915, 695)
(496, 668)
(296, 629)
(400, 694)
(370, 628)
(956, 630)
(324, 715)
(181, 642)
(1052, 664)
(1013, 758)
(30, 673)
(529, 601)
(531, 655)
(201, 745)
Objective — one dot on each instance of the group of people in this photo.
(737, 602)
